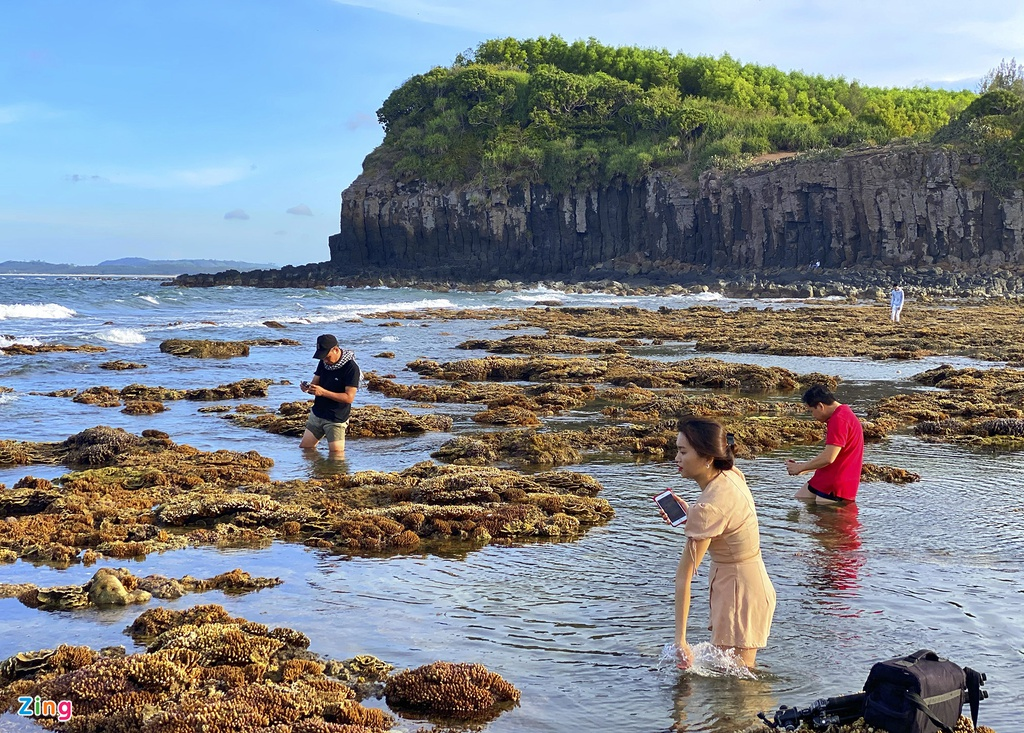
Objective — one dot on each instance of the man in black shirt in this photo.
(334, 386)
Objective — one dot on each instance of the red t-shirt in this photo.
(842, 476)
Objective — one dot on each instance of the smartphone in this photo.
(667, 501)
(304, 386)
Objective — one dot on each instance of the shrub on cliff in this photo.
(582, 113)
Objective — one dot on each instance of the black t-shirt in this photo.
(335, 378)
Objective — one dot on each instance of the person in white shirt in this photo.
(896, 304)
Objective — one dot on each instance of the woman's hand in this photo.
(684, 655)
(794, 468)
(680, 502)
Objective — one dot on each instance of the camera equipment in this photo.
(820, 714)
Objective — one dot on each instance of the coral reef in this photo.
(450, 690)
(890, 474)
(369, 421)
(137, 491)
(541, 399)
(118, 587)
(543, 345)
(202, 670)
(987, 330)
(977, 407)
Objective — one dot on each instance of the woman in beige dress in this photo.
(722, 522)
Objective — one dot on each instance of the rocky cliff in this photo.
(911, 206)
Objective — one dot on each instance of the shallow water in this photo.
(579, 627)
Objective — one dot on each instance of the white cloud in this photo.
(236, 214)
(188, 178)
(877, 41)
(300, 210)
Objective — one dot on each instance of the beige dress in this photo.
(742, 595)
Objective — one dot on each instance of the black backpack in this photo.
(920, 693)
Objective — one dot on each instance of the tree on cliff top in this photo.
(583, 113)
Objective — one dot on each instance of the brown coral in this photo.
(451, 690)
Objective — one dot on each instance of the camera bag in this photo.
(920, 693)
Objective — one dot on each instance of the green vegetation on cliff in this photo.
(582, 113)
(992, 126)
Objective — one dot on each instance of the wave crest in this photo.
(120, 336)
(35, 310)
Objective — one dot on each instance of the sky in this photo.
(228, 129)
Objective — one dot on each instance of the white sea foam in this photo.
(28, 341)
(708, 661)
(149, 299)
(35, 310)
(120, 336)
(390, 339)
(710, 295)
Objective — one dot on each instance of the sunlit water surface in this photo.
(579, 627)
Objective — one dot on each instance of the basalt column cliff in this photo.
(914, 206)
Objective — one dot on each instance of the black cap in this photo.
(324, 344)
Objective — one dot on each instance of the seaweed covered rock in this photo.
(143, 407)
(542, 399)
(543, 345)
(451, 690)
(890, 474)
(982, 407)
(33, 349)
(121, 365)
(509, 415)
(368, 421)
(204, 348)
(98, 396)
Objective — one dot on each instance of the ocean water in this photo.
(579, 627)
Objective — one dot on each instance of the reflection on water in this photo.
(323, 466)
(833, 571)
(723, 704)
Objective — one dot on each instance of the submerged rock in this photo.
(121, 365)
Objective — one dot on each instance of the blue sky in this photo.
(229, 128)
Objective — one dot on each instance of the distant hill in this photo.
(128, 266)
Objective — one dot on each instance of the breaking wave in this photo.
(35, 310)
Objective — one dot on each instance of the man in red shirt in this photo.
(837, 468)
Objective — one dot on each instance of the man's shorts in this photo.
(831, 496)
(335, 431)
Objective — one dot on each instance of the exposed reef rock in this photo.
(118, 587)
(204, 349)
(202, 671)
(989, 330)
(543, 345)
(369, 421)
(623, 370)
(142, 400)
(978, 407)
(895, 206)
(146, 494)
(30, 350)
(447, 690)
(121, 365)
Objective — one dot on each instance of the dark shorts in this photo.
(831, 496)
